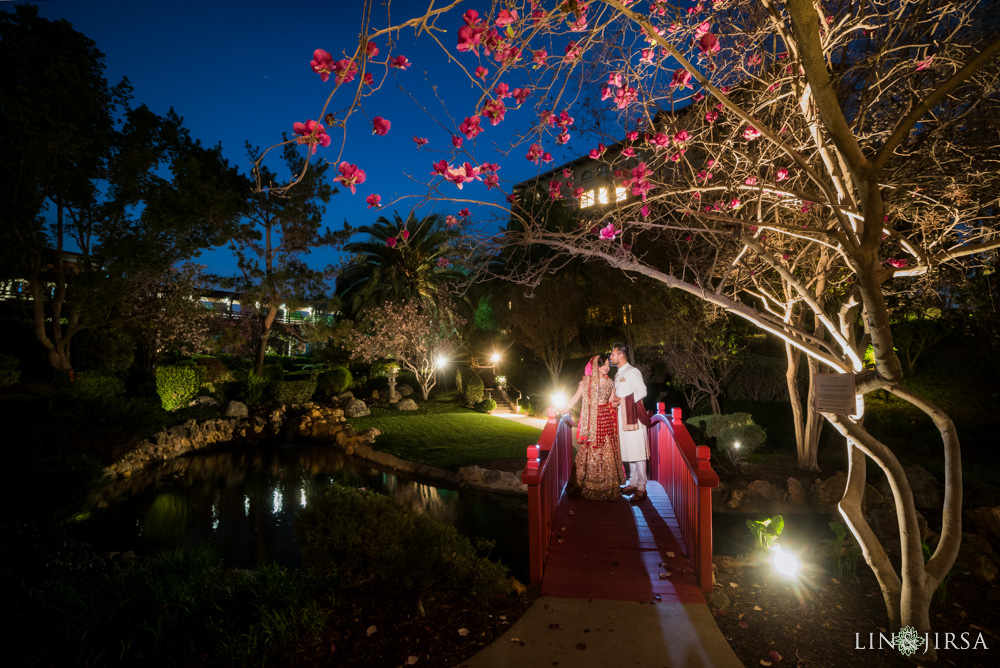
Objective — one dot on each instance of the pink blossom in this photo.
(720, 106)
(616, 79)
(471, 17)
(481, 72)
(750, 180)
(898, 264)
(711, 116)
(521, 94)
(374, 201)
(782, 174)
(489, 167)
(311, 133)
(502, 90)
(735, 203)
(596, 153)
(806, 206)
(572, 52)
(534, 152)
(629, 152)
(451, 220)
(785, 256)
(440, 167)
(322, 64)
(688, 237)
(644, 211)
(564, 120)
(506, 17)
(698, 97)
(380, 126)
(419, 141)
(391, 242)
(494, 110)
(659, 139)
(704, 176)
(608, 232)
(443, 262)
(632, 136)
(578, 192)
(681, 136)
(562, 138)
(539, 57)
(470, 127)
(368, 79)
(492, 181)
(546, 157)
(462, 175)
(750, 133)
(350, 175)
(345, 70)
(405, 235)
(555, 189)
(702, 29)
(456, 141)
(677, 156)
(925, 63)
(400, 62)
(709, 44)
(567, 173)
(754, 60)
(681, 78)
(372, 50)
(468, 39)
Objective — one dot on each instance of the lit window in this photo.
(620, 193)
(602, 195)
(587, 199)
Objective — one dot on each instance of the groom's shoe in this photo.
(638, 496)
(629, 489)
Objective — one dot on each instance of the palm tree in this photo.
(399, 261)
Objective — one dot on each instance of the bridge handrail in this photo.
(546, 473)
(684, 471)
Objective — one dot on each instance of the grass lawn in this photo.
(443, 434)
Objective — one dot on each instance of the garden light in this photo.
(495, 358)
(442, 360)
(736, 445)
(558, 399)
(784, 562)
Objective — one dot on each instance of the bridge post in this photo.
(704, 519)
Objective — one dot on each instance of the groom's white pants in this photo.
(637, 474)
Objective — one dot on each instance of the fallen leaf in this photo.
(571, 512)
(670, 555)
(663, 576)
(553, 626)
(835, 581)
(581, 645)
(774, 656)
(744, 625)
(333, 648)
(514, 640)
(561, 541)
(372, 629)
(410, 660)
(503, 616)
(733, 585)
(563, 529)
(757, 608)
(463, 632)
(765, 663)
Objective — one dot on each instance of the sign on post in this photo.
(835, 393)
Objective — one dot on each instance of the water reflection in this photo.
(245, 502)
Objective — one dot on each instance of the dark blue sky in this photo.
(239, 70)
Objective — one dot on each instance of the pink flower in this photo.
(898, 264)
(368, 79)
(925, 63)
(608, 232)
(750, 180)
(350, 175)
(645, 211)
(782, 174)
(471, 17)
(322, 64)
(470, 127)
(562, 138)
(345, 70)
(502, 90)
(419, 141)
(400, 62)
(374, 201)
(534, 152)
(709, 44)
(451, 220)
(539, 57)
(494, 110)
(372, 50)
(629, 152)
(506, 17)
(567, 173)
(564, 120)
(711, 116)
(462, 175)
(681, 78)
(702, 29)
(391, 242)
(698, 97)
(572, 52)
(735, 203)
(626, 96)
(380, 126)
(443, 262)
(492, 181)
(681, 136)
(546, 157)
(659, 139)
(596, 153)
(468, 39)
(632, 136)
(465, 213)
(405, 235)
(521, 94)
(705, 176)
(481, 72)
(555, 189)
(440, 167)
(578, 192)
(750, 133)
(754, 60)
(311, 133)
(456, 141)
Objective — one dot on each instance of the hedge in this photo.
(293, 391)
(177, 385)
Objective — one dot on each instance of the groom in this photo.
(630, 388)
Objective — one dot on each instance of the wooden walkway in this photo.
(614, 550)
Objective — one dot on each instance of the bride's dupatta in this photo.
(587, 431)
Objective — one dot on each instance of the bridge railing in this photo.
(546, 473)
(686, 475)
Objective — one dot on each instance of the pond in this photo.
(244, 503)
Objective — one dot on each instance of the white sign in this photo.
(835, 393)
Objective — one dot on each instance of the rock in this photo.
(828, 493)
(356, 408)
(717, 600)
(404, 390)
(407, 405)
(927, 491)
(727, 564)
(760, 489)
(204, 401)
(884, 523)
(975, 556)
(720, 494)
(375, 396)
(735, 498)
(984, 521)
(344, 397)
(516, 586)
(796, 492)
(236, 409)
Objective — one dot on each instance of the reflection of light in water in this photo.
(246, 506)
(302, 497)
(215, 513)
(276, 501)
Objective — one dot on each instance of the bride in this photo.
(598, 472)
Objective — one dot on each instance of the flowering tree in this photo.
(414, 334)
(788, 163)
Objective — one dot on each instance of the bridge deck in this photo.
(614, 550)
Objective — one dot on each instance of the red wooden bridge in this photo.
(657, 549)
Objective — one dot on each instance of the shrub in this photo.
(715, 424)
(177, 385)
(473, 387)
(9, 373)
(253, 388)
(273, 372)
(758, 378)
(739, 442)
(458, 384)
(361, 537)
(486, 405)
(103, 350)
(213, 369)
(99, 384)
(334, 381)
(293, 391)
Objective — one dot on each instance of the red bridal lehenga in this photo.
(598, 469)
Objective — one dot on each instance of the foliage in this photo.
(757, 378)
(715, 424)
(213, 369)
(177, 385)
(335, 381)
(472, 387)
(740, 441)
(459, 392)
(766, 532)
(9, 373)
(99, 385)
(273, 372)
(365, 538)
(180, 606)
(845, 556)
(103, 349)
(254, 388)
(486, 406)
(293, 391)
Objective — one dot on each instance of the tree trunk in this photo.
(265, 332)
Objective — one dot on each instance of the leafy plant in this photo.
(766, 531)
(335, 381)
(473, 387)
(845, 556)
(99, 384)
(293, 391)
(177, 385)
(9, 373)
(486, 405)
(254, 388)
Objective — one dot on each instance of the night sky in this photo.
(238, 71)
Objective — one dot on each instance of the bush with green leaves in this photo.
(486, 405)
(213, 369)
(715, 424)
(293, 391)
(177, 384)
(273, 372)
(99, 384)
(364, 538)
(758, 378)
(334, 381)
(766, 532)
(9, 373)
(458, 384)
(473, 387)
(253, 388)
(101, 349)
(738, 442)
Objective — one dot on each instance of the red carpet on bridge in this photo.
(618, 551)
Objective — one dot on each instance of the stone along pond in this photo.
(244, 503)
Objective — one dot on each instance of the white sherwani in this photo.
(628, 380)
